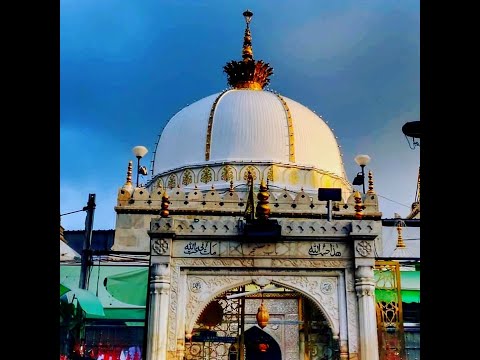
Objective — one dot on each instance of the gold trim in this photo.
(291, 138)
(210, 125)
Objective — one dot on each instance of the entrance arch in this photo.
(297, 327)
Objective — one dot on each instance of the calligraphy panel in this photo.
(283, 249)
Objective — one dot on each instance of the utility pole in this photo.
(87, 252)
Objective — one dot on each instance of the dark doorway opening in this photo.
(261, 346)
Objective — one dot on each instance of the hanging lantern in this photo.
(262, 316)
(263, 347)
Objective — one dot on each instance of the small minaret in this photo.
(263, 210)
(126, 191)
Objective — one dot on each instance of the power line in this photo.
(72, 212)
(393, 201)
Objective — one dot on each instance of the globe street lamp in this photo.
(140, 152)
(361, 160)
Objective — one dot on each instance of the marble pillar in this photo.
(158, 312)
(342, 298)
(365, 289)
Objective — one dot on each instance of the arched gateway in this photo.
(232, 217)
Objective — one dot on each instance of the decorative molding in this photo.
(308, 264)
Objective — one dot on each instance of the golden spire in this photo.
(358, 205)
(370, 183)
(400, 242)
(263, 210)
(129, 173)
(248, 73)
(247, 51)
(164, 213)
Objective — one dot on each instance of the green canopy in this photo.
(129, 287)
(87, 300)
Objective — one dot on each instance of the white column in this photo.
(158, 315)
(342, 298)
(181, 314)
(365, 288)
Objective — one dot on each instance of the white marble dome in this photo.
(247, 125)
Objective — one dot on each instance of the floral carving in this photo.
(227, 173)
(187, 177)
(270, 173)
(252, 170)
(160, 184)
(160, 246)
(172, 181)
(206, 175)
(364, 248)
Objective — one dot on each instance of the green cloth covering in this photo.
(129, 287)
(410, 288)
(113, 308)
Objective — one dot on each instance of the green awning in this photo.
(87, 300)
(122, 314)
(129, 287)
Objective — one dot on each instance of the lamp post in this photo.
(361, 160)
(139, 152)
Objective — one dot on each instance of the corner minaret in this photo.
(248, 73)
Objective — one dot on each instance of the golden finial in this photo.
(231, 185)
(400, 242)
(263, 210)
(370, 183)
(164, 212)
(248, 73)
(129, 173)
(358, 205)
(262, 315)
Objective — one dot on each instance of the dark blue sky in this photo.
(128, 66)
